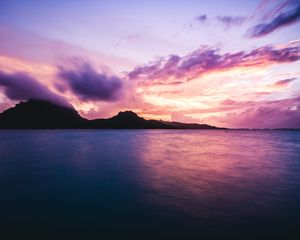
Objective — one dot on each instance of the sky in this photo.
(226, 63)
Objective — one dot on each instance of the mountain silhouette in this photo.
(39, 114)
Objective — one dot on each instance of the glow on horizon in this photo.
(177, 60)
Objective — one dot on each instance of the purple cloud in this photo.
(20, 86)
(91, 85)
(267, 114)
(175, 70)
(229, 21)
(285, 14)
(260, 118)
(283, 113)
(201, 18)
(181, 117)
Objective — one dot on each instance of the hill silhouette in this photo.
(38, 114)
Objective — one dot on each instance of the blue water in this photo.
(156, 184)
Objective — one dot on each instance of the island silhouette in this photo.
(40, 114)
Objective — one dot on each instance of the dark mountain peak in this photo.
(127, 119)
(127, 115)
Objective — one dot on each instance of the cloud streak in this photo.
(174, 70)
(284, 82)
(284, 14)
(225, 20)
(229, 21)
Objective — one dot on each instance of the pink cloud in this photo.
(180, 117)
(269, 114)
(228, 102)
(175, 70)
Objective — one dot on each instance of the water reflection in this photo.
(165, 184)
(212, 174)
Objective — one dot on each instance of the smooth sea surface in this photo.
(149, 184)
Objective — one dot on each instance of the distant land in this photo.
(39, 114)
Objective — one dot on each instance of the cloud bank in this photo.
(276, 114)
(21, 86)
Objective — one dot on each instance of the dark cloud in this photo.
(229, 21)
(175, 70)
(284, 82)
(91, 85)
(284, 15)
(21, 86)
(201, 18)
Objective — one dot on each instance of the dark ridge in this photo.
(38, 114)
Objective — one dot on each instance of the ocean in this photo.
(149, 184)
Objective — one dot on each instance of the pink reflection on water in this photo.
(212, 173)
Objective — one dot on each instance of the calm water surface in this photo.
(156, 184)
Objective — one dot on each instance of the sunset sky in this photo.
(226, 63)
